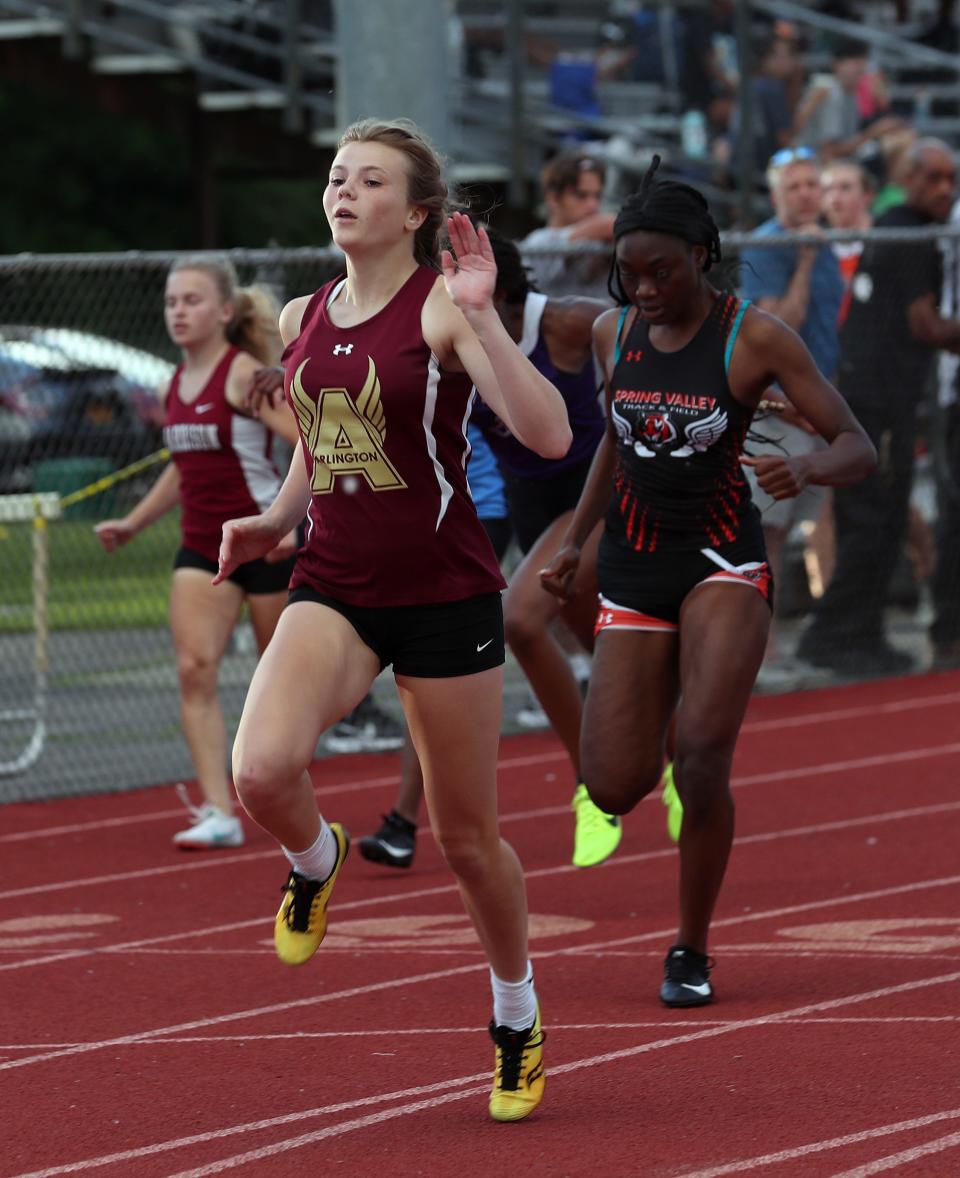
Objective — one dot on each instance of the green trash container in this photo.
(65, 475)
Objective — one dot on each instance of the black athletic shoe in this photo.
(394, 843)
(367, 729)
(686, 978)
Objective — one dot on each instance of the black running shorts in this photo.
(437, 641)
(254, 578)
(535, 503)
(654, 585)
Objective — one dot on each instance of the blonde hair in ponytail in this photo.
(253, 327)
(426, 186)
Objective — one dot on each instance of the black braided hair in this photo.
(665, 206)
(513, 280)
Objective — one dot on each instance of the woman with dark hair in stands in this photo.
(685, 588)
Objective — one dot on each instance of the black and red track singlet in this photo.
(678, 482)
(222, 457)
(391, 520)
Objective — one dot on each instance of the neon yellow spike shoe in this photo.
(597, 835)
(671, 799)
(302, 920)
(519, 1078)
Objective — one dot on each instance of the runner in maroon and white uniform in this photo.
(396, 568)
(222, 466)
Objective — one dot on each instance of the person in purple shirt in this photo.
(556, 336)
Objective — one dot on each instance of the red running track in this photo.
(147, 1028)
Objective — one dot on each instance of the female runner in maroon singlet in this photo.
(685, 590)
(222, 465)
(396, 568)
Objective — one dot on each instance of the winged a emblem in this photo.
(343, 435)
(369, 403)
(306, 409)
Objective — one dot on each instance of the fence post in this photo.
(292, 68)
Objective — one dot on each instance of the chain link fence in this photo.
(88, 690)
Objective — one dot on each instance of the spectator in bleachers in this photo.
(847, 194)
(945, 629)
(575, 77)
(572, 185)
(895, 148)
(710, 76)
(802, 286)
(887, 346)
(647, 25)
(828, 117)
(777, 65)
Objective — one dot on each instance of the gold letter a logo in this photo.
(344, 437)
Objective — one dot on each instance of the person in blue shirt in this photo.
(801, 285)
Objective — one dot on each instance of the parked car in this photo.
(73, 394)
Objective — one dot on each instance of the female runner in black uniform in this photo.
(685, 589)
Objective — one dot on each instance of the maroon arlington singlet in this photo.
(391, 520)
(222, 457)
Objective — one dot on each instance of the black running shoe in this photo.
(686, 978)
(367, 729)
(394, 843)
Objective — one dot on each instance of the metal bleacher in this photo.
(274, 63)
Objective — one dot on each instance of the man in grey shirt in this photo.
(572, 186)
(828, 117)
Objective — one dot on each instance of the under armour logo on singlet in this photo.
(345, 348)
(633, 357)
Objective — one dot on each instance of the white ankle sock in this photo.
(318, 861)
(514, 1003)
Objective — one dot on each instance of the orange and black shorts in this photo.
(645, 590)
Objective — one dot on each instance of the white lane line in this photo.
(431, 1102)
(233, 1016)
(835, 715)
(913, 703)
(801, 1151)
(394, 1032)
(881, 760)
(894, 1161)
(398, 897)
(764, 914)
(539, 954)
(252, 1127)
(343, 787)
(221, 860)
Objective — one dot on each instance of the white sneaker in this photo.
(210, 827)
(532, 715)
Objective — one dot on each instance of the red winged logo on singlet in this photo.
(343, 435)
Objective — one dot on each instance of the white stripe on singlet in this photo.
(429, 410)
(250, 443)
(533, 309)
(467, 448)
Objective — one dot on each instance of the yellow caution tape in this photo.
(115, 477)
